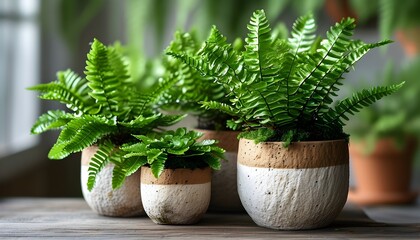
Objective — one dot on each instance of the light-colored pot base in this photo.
(122, 202)
(292, 199)
(176, 204)
(178, 196)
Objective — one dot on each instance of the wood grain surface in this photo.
(71, 218)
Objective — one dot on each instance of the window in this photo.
(19, 68)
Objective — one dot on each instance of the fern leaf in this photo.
(319, 64)
(258, 42)
(141, 122)
(69, 89)
(220, 61)
(131, 165)
(220, 106)
(126, 168)
(191, 87)
(303, 34)
(121, 168)
(51, 120)
(332, 78)
(158, 164)
(80, 133)
(106, 75)
(359, 100)
(147, 101)
(99, 161)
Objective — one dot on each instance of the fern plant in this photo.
(172, 149)
(283, 90)
(191, 87)
(105, 108)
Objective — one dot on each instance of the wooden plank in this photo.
(71, 218)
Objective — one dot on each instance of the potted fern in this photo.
(293, 153)
(175, 174)
(384, 142)
(104, 110)
(189, 90)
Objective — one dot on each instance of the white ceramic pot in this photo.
(121, 202)
(224, 191)
(303, 186)
(178, 196)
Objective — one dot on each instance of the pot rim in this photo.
(300, 155)
(300, 142)
(177, 176)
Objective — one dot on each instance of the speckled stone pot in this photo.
(224, 191)
(121, 202)
(178, 196)
(303, 186)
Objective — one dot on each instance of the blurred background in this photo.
(40, 37)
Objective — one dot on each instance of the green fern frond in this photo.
(318, 65)
(356, 50)
(158, 164)
(126, 168)
(285, 85)
(221, 61)
(148, 101)
(106, 74)
(191, 86)
(69, 89)
(359, 100)
(220, 106)
(141, 122)
(79, 134)
(53, 119)
(258, 47)
(99, 161)
(303, 34)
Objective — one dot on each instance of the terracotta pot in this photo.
(122, 202)
(383, 176)
(303, 186)
(339, 9)
(410, 40)
(178, 196)
(224, 190)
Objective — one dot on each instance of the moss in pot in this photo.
(104, 109)
(293, 152)
(175, 174)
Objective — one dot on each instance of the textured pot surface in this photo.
(384, 175)
(303, 186)
(122, 202)
(178, 196)
(224, 191)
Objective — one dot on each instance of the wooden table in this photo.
(72, 218)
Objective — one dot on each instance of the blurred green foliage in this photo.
(396, 116)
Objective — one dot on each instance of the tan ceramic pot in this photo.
(122, 202)
(384, 175)
(224, 191)
(303, 186)
(178, 196)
